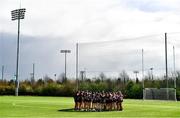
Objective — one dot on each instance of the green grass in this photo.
(51, 107)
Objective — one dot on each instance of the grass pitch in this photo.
(56, 107)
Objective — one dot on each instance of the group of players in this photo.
(98, 101)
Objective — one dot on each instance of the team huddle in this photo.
(98, 101)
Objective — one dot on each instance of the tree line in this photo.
(46, 86)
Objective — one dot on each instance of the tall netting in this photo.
(111, 57)
(160, 93)
(140, 58)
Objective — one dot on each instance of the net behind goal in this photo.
(113, 57)
(160, 93)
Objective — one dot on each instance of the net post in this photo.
(174, 73)
(143, 74)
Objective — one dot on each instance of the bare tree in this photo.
(124, 77)
(102, 76)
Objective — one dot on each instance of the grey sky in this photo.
(53, 25)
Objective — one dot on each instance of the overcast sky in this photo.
(51, 25)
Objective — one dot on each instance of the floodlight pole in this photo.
(33, 71)
(136, 72)
(65, 65)
(167, 86)
(17, 61)
(83, 75)
(2, 72)
(55, 77)
(65, 52)
(77, 65)
(17, 15)
(151, 73)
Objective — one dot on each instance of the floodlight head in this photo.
(65, 51)
(18, 14)
(136, 71)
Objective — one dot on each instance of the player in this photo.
(119, 101)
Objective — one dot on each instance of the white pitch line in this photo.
(32, 106)
(154, 105)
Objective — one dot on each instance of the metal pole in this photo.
(136, 72)
(174, 72)
(77, 64)
(65, 67)
(65, 51)
(2, 72)
(143, 73)
(17, 61)
(55, 77)
(17, 15)
(33, 71)
(151, 73)
(167, 91)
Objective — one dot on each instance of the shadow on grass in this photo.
(67, 110)
(72, 110)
